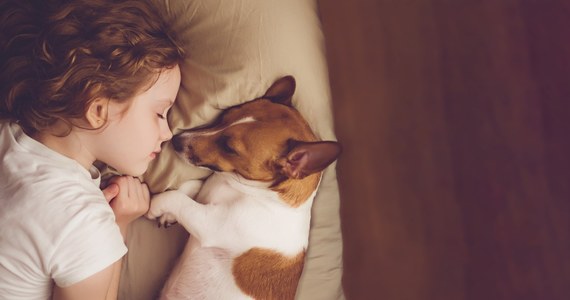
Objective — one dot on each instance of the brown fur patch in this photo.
(296, 191)
(265, 274)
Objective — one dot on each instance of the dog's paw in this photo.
(164, 208)
(166, 221)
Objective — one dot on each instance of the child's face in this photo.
(133, 137)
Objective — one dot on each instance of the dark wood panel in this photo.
(454, 118)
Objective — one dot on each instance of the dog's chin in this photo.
(189, 159)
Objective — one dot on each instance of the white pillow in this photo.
(235, 50)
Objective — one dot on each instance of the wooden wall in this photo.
(454, 115)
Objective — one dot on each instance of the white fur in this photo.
(243, 120)
(231, 215)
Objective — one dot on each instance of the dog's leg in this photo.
(191, 188)
(174, 206)
(167, 212)
(166, 206)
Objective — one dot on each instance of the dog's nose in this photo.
(177, 143)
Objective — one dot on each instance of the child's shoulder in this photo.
(38, 181)
(26, 161)
(51, 207)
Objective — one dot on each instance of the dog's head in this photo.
(265, 139)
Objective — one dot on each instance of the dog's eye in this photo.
(223, 143)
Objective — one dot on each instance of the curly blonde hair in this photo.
(60, 55)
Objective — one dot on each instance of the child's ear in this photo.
(97, 112)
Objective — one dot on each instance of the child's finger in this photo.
(146, 193)
(111, 191)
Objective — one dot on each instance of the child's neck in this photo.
(69, 145)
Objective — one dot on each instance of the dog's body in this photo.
(249, 228)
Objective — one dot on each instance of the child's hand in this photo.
(111, 191)
(131, 201)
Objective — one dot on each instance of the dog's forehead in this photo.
(266, 120)
(249, 128)
(263, 111)
(243, 120)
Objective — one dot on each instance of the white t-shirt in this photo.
(55, 224)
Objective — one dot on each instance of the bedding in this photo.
(235, 50)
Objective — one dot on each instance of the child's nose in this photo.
(166, 134)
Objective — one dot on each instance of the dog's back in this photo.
(261, 243)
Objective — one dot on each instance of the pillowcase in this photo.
(235, 51)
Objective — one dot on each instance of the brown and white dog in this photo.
(249, 225)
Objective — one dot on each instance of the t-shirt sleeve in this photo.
(89, 242)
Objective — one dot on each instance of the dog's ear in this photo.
(281, 91)
(307, 158)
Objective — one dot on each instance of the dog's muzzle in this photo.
(184, 149)
(177, 143)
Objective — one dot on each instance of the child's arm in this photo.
(96, 287)
(131, 202)
(128, 203)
